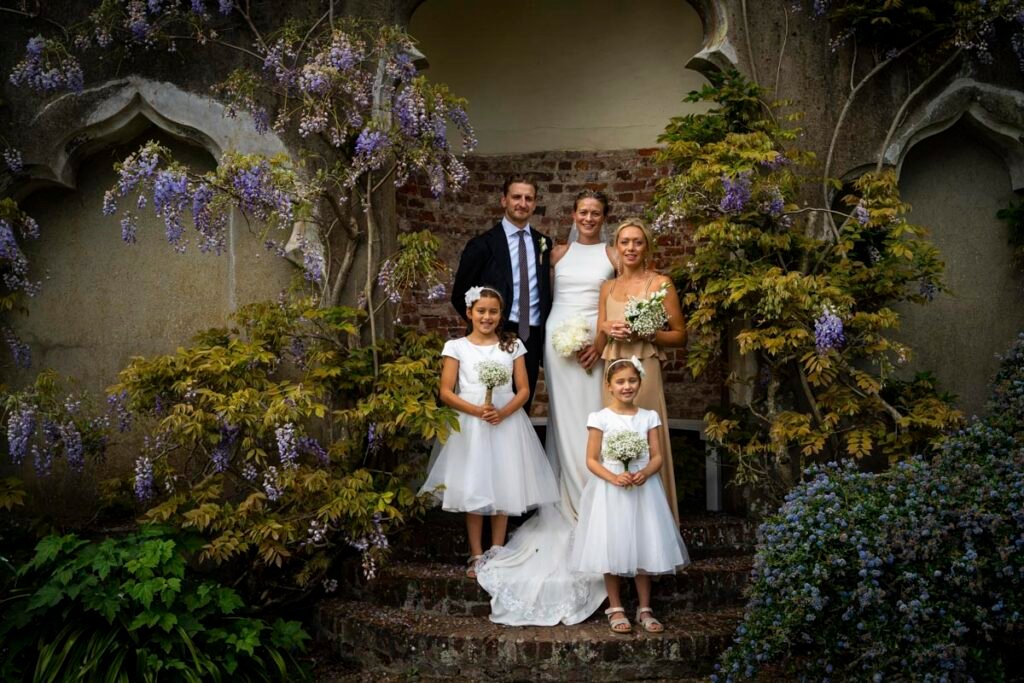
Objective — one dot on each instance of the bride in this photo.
(528, 579)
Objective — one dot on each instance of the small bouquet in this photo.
(647, 316)
(492, 374)
(572, 336)
(625, 446)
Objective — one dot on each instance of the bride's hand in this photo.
(587, 356)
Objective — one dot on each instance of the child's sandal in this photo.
(645, 617)
(471, 568)
(618, 625)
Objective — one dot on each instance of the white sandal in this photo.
(471, 568)
(645, 617)
(618, 622)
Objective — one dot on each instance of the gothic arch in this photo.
(717, 53)
(73, 127)
(995, 113)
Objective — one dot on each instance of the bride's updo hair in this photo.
(592, 194)
(506, 340)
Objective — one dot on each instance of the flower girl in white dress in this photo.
(494, 465)
(625, 526)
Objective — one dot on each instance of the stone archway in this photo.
(956, 180)
(104, 301)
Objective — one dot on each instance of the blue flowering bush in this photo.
(915, 572)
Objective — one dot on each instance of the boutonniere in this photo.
(543, 246)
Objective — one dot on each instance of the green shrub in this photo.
(279, 443)
(129, 609)
(919, 569)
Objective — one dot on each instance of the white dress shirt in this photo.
(512, 235)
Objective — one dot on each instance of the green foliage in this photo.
(912, 572)
(890, 25)
(740, 108)
(774, 275)
(239, 418)
(129, 609)
(1013, 216)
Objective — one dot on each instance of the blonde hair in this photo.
(636, 222)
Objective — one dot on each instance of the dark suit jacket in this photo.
(486, 261)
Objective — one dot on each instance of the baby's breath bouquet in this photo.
(572, 336)
(645, 316)
(492, 374)
(625, 446)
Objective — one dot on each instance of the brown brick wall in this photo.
(628, 177)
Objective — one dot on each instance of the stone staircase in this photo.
(422, 619)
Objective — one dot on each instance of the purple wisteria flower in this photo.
(373, 440)
(775, 164)
(271, 484)
(21, 426)
(311, 446)
(74, 451)
(929, 290)
(144, 489)
(287, 445)
(170, 197)
(20, 351)
(372, 148)
(437, 292)
(313, 263)
(45, 72)
(12, 158)
(828, 331)
(13, 262)
(221, 454)
(737, 193)
(225, 6)
(860, 214)
(258, 195)
(385, 279)
(249, 472)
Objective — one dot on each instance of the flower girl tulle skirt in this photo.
(492, 469)
(626, 531)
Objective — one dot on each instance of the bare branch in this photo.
(906, 105)
(849, 102)
(782, 50)
(750, 49)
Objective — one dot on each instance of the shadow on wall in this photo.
(956, 184)
(567, 75)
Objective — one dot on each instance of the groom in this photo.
(515, 260)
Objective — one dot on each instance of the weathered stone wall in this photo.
(628, 177)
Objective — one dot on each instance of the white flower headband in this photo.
(634, 361)
(472, 295)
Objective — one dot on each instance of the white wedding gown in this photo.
(529, 579)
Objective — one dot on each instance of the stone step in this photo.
(444, 588)
(441, 537)
(390, 640)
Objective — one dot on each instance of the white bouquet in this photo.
(492, 374)
(571, 336)
(625, 446)
(647, 316)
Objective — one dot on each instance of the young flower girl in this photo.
(494, 465)
(625, 526)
